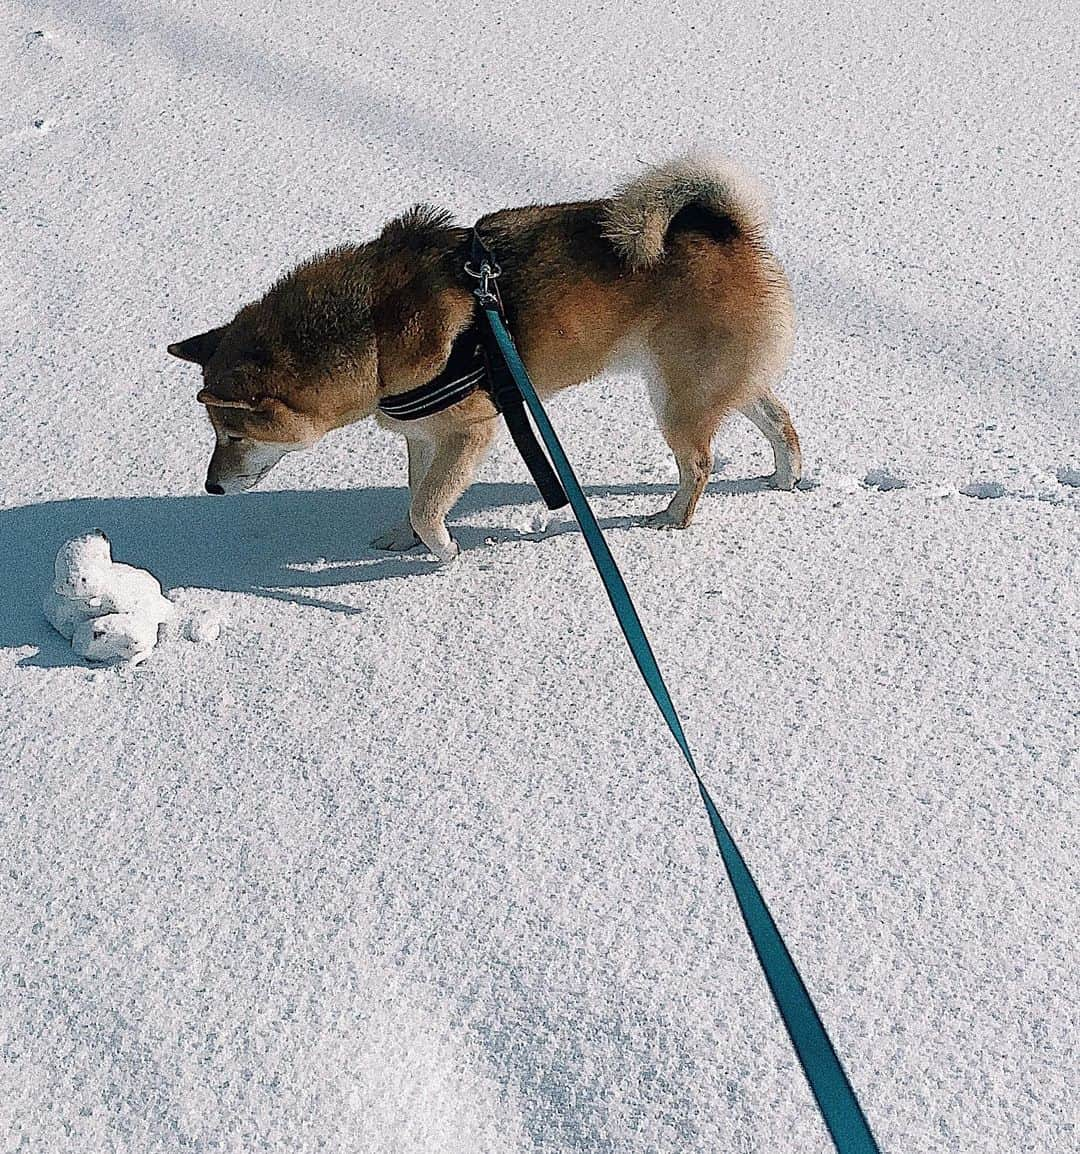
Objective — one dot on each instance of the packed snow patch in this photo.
(109, 611)
(204, 628)
(984, 490)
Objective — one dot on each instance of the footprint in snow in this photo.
(984, 490)
(1069, 477)
(883, 481)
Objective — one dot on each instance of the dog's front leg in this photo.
(458, 453)
(402, 536)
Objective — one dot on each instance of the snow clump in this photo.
(107, 610)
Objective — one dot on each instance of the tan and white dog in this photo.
(673, 267)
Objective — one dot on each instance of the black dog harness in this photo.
(465, 372)
(475, 362)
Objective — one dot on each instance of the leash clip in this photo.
(486, 275)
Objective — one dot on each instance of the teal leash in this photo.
(835, 1098)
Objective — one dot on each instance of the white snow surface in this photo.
(406, 861)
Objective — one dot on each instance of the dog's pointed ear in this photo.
(198, 349)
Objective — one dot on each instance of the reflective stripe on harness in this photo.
(465, 372)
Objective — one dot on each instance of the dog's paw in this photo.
(398, 539)
(447, 553)
(783, 481)
(439, 542)
(665, 519)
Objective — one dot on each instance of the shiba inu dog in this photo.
(673, 269)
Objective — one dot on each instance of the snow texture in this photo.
(406, 861)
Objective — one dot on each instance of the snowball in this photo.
(204, 627)
(116, 637)
(66, 613)
(78, 563)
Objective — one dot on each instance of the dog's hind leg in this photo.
(457, 457)
(689, 411)
(772, 418)
(402, 536)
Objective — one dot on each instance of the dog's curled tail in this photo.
(637, 218)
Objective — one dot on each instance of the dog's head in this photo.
(284, 371)
(315, 351)
(254, 427)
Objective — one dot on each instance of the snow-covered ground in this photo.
(405, 861)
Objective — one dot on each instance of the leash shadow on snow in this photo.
(286, 545)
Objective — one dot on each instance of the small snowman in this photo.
(109, 611)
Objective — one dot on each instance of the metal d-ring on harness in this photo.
(835, 1097)
(487, 291)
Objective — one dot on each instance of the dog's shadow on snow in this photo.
(284, 545)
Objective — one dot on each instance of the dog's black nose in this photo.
(217, 490)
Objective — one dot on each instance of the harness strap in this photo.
(476, 363)
(464, 373)
(835, 1097)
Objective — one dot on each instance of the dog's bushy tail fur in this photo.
(637, 217)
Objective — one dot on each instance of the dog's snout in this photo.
(216, 489)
